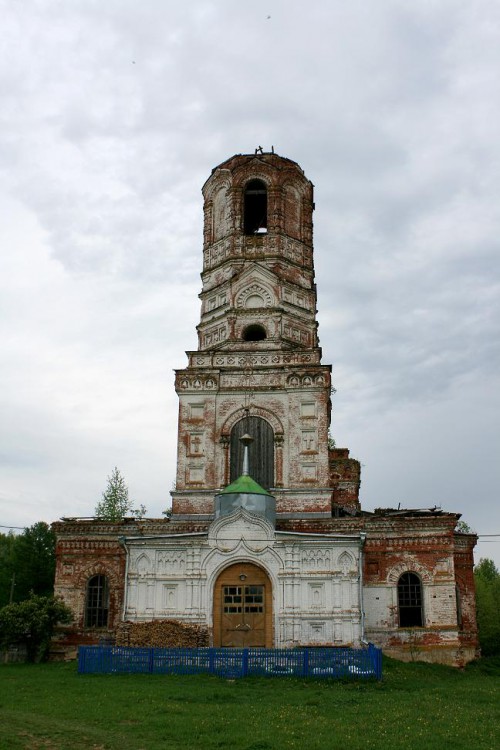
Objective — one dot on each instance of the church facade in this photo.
(295, 561)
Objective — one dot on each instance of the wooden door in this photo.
(243, 607)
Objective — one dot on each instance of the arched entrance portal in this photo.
(243, 612)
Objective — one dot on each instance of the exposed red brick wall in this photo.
(345, 479)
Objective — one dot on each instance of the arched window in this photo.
(261, 451)
(410, 601)
(97, 602)
(255, 209)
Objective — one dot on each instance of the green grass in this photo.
(51, 707)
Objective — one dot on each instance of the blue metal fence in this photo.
(233, 662)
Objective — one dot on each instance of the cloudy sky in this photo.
(112, 115)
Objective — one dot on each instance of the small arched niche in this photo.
(254, 300)
(255, 208)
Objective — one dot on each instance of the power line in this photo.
(3, 526)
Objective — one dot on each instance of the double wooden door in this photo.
(243, 607)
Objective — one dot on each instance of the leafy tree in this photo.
(7, 542)
(463, 527)
(32, 623)
(487, 579)
(115, 503)
(27, 563)
(486, 570)
(34, 561)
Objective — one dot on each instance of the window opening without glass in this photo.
(255, 213)
(97, 604)
(410, 601)
(254, 332)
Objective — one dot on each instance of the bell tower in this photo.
(257, 369)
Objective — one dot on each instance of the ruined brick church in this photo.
(267, 544)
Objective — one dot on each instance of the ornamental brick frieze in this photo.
(256, 359)
(170, 562)
(214, 335)
(256, 245)
(317, 559)
(295, 251)
(200, 360)
(308, 380)
(409, 541)
(90, 544)
(214, 302)
(297, 334)
(217, 253)
(192, 381)
(466, 541)
(299, 298)
(260, 380)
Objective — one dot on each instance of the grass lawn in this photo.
(416, 705)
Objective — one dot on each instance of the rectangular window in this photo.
(254, 599)
(243, 599)
(232, 599)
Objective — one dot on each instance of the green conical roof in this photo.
(244, 485)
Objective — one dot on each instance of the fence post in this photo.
(211, 660)
(305, 663)
(379, 664)
(375, 655)
(151, 660)
(244, 662)
(81, 659)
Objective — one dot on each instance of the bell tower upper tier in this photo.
(258, 273)
(257, 369)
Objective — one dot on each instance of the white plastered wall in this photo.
(315, 578)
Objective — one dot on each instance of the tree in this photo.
(7, 542)
(32, 623)
(34, 561)
(27, 563)
(486, 570)
(487, 579)
(115, 503)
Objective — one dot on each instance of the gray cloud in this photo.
(113, 116)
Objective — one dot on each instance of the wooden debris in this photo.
(162, 634)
